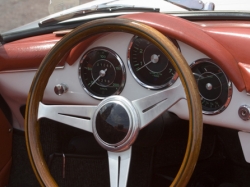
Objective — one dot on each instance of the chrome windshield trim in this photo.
(96, 9)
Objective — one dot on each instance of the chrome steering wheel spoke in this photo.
(138, 113)
(119, 163)
(152, 106)
(79, 116)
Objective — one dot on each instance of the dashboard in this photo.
(94, 73)
(121, 63)
(112, 64)
(102, 73)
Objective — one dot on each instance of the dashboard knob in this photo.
(244, 112)
(60, 89)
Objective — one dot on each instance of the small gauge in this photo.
(102, 73)
(214, 87)
(149, 66)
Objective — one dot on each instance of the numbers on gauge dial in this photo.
(214, 86)
(102, 73)
(149, 66)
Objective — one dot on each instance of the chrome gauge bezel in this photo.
(155, 87)
(229, 86)
(119, 60)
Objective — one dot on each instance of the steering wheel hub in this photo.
(115, 123)
(136, 114)
(112, 123)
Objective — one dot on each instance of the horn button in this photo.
(115, 123)
(112, 123)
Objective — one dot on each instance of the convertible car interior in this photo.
(142, 99)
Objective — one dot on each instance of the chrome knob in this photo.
(209, 86)
(60, 89)
(244, 112)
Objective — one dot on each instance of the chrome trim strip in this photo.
(150, 107)
(79, 116)
(119, 163)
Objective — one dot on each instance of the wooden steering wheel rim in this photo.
(97, 27)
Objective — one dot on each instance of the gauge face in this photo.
(214, 87)
(149, 66)
(102, 73)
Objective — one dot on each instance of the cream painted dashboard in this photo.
(15, 85)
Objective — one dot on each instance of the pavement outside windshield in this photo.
(15, 13)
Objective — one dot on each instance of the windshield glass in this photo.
(15, 13)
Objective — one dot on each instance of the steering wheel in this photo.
(139, 112)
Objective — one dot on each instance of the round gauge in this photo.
(214, 87)
(102, 73)
(149, 66)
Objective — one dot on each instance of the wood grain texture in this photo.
(91, 29)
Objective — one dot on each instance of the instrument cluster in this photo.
(103, 73)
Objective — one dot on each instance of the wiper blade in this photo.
(95, 10)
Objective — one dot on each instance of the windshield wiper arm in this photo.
(96, 10)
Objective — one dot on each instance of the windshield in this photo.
(15, 13)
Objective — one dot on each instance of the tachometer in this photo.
(149, 66)
(102, 73)
(214, 87)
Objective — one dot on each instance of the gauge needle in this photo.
(154, 59)
(198, 75)
(102, 73)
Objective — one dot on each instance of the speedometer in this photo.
(149, 66)
(102, 73)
